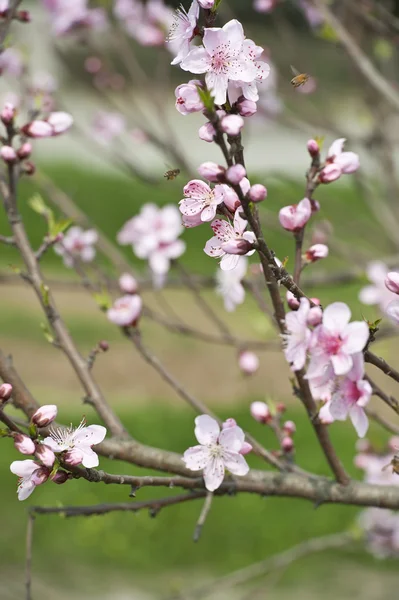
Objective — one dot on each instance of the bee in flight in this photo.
(171, 174)
(299, 79)
(394, 464)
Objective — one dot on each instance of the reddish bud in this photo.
(313, 148)
(8, 113)
(5, 392)
(45, 455)
(289, 427)
(211, 171)
(24, 151)
(235, 174)
(260, 412)
(40, 475)
(392, 282)
(294, 217)
(331, 172)
(245, 107)
(292, 301)
(128, 284)
(237, 246)
(45, 415)
(24, 444)
(60, 477)
(281, 408)
(315, 316)
(93, 64)
(232, 124)
(257, 193)
(287, 444)
(207, 132)
(73, 457)
(23, 16)
(103, 345)
(316, 252)
(8, 154)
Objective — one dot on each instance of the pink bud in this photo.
(5, 392)
(289, 427)
(248, 362)
(287, 444)
(315, 316)
(236, 246)
(128, 284)
(295, 217)
(37, 129)
(316, 301)
(40, 475)
(45, 455)
(330, 173)
(93, 64)
(363, 446)
(281, 408)
(231, 200)
(228, 423)
(245, 107)
(45, 415)
(316, 252)
(8, 113)
(24, 444)
(313, 148)
(257, 193)
(393, 443)
(60, 477)
(60, 122)
(24, 151)
(73, 457)
(206, 3)
(207, 132)
(8, 154)
(235, 174)
(246, 448)
(392, 282)
(23, 16)
(292, 301)
(211, 171)
(29, 167)
(232, 124)
(103, 345)
(260, 412)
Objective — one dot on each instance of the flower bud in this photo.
(289, 427)
(330, 173)
(236, 246)
(24, 151)
(29, 168)
(45, 455)
(8, 113)
(23, 16)
(5, 392)
(392, 282)
(60, 477)
(73, 457)
(231, 200)
(281, 408)
(246, 448)
(292, 301)
(315, 316)
(40, 475)
(45, 415)
(206, 3)
(128, 284)
(245, 107)
(229, 423)
(232, 124)
(207, 132)
(257, 193)
(60, 122)
(313, 148)
(103, 345)
(260, 412)
(37, 129)
(235, 174)
(287, 444)
(24, 444)
(8, 154)
(316, 252)
(248, 362)
(211, 171)
(294, 217)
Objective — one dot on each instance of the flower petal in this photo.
(90, 458)
(356, 335)
(206, 430)
(214, 474)
(197, 61)
(235, 463)
(90, 436)
(336, 317)
(23, 468)
(232, 438)
(25, 489)
(340, 406)
(359, 420)
(196, 457)
(342, 363)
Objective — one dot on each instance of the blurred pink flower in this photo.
(183, 31)
(377, 292)
(264, 6)
(107, 126)
(338, 162)
(73, 15)
(229, 284)
(11, 62)
(248, 362)
(77, 244)
(125, 311)
(187, 98)
(295, 216)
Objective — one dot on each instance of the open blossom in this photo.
(377, 292)
(294, 217)
(335, 341)
(126, 310)
(11, 62)
(30, 475)
(107, 126)
(229, 284)
(216, 452)
(187, 98)
(82, 438)
(74, 14)
(222, 59)
(248, 362)
(298, 336)
(351, 396)
(381, 529)
(338, 162)
(230, 241)
(183, 31)
(200, 198)
(250, 89)
(316, 252)
(147, 22)
(77, 244)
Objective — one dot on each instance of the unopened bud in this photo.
(45, 415)
(211, 171)
(29, 168)
(103, 345)
(292, 300)
(73, 457)
(289, 427)
(45, 455)
(392, 282)
(287, 444)
(207, 132)
(260, 412)
(8, 154)
(238, 246)
(330, 173)
(316, 252)
(206, 3)
(128, 284)
(229, 423)
(246, 448)
(24, 444)
(281, 408)
(245, 107)
(60, 477)
(5, 392)
(23, 16)
(315, 316)
(257, 193)
(8, 113)
(232, 124)
(40, 475)
(25, 151)
(248, 362)
(313, 148)
(235, 174)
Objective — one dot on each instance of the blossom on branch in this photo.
(294, 217)
(230, 241)
(298, 336)
(31, 474)
(378, 292)
(187, 98)
(338, 162)
(80, 439)
(183, 31)
(229, 284)
(201, 199)
(77, 244)
(71, 15)
(126, 311)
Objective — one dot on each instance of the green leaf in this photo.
(327, 32)
(320, 141)
(40, 207)
(383, 49)
(32, 431)
(45, 290)
(103, 300)
(3, 433)
(206, 98)
(216, 5)
(59, 227)
(47, 333)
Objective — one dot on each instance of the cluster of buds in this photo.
(337, 161)
(315, 313)
(23, 16)
(126, 311)
(272, 417)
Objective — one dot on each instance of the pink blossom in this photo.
(200, 198)
(330, 173)
(145, 22)
(351, 396)
(262, 70)
(392, 310)
(45, 455)
(128, 284)
(325, 416)
(298, 336)
(312, 14)
(231, 200)
(392, 282)
(313, 148)
(44, 415)
(30, 475)
(207, 4)
(221, 58)
(187, 98)
(289, 427)
(11, 62)
(381, 530)
(77, 244)
(190, 221)
(257, 193)
(211, 171)
(287, 444)
(338, 162)
(260, 412)
(74, 14)
(336, 340)
(38, 129)
(316, 252)
(264, 6)
(248, 362)
(232, 124)
(246, 448)
(235, 174)
(292, 300)
(228, 240)
(43, 83)
(73, 457)
(60, 122)
(25, 150)
(295, 217)
(4, 5)
(5, 392)
(246, 108)
(8, 113)
(378, 292)
(183, 31)
(229, 285)
(55, 124)
(24, 444)
(315, 316)
(207, 132)
(107, 126)
(126, 310)
(217, 451)
(82, 438)
(8, 154)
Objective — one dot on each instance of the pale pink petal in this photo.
(355, 336)
(213, 248)
(214, 474)
(336, 317)
(90, 436)
(234, 35)
(25, 489)
(342, 363)
(235, 463)
(196, 189)
(370, 294)
(359, 420)
(317, 365)
(206, 430)
(232, 438)
(217, 84)
(55, 447)
(23, 468)
(159, 263)
(325, 415)
(197, 61)
(336, 148)
(348, 162)
(208, 213)
(229, 262)
(340, 406)
(90, 458)
(357, 370)
(196, 457)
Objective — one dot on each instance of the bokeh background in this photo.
(123, 556)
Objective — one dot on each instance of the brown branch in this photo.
(372, 414)
(377, 391)
(381, 364)
(203, 516)
(298, 255)
(7, 240)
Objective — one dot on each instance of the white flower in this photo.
(218, 450)
(229, 284)
(230, 241)
(82, 439)
(30, 473)
(182, 31)
(297, 338)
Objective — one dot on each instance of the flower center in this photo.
(220, 60)
(215, 450)
(332, 344)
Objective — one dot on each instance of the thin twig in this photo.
(203, 516)
(28, 562)
(372, 414)
(7, 240)
(377, 391)
(381, 364)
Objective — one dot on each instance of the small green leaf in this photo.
(383, 49)
(15, 269)
(39, 206)
(216, 5)
(327, 32)
(59, 227)
(32, 431)
(320, 141)
(206, 98)
(103, 300)
(45, 290)
(47, 333)
(3, 433)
